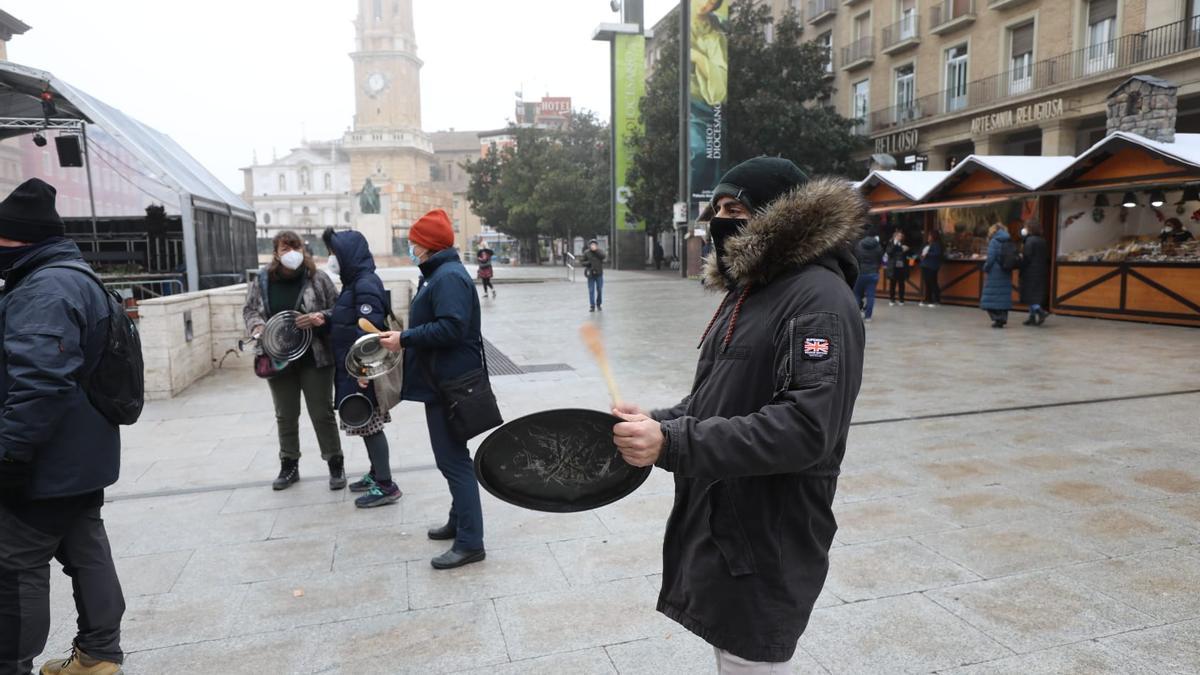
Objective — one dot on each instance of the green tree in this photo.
(547, 183)
(778, 105)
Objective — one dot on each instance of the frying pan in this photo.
(356, 411)
(559, 461)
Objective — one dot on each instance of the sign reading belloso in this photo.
(897, 143)
(1026, 114)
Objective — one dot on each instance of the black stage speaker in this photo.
(69, 152)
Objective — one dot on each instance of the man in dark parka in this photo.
(57, 451)
(756, 448)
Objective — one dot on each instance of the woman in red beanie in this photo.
(444, 342)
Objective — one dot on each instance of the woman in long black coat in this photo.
(1035, 273)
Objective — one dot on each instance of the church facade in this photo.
(380, 176)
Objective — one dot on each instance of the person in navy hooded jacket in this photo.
(444, 342)
(362, 297)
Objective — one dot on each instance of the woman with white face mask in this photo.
(292, 282)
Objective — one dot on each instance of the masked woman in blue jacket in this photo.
(362, 297)
(444, 342)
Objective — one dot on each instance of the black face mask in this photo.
(11, 255)
(721, 229)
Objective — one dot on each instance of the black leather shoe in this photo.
(456, 558)
(443, 533)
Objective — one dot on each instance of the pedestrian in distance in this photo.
(1002, 259)
(292, 282)
(869, 253)
(897, 268)
(362, 297)
(756, 447)
(931, 265)
(659, 255)
(593, 269)
(443, 342)
(1034, 280)
(58, 450)
(484, 259)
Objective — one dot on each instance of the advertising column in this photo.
(630, 87)
(709, 90)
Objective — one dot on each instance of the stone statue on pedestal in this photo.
(368, 199)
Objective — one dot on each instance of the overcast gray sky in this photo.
(227, 77)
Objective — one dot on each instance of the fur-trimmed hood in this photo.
(824, 216)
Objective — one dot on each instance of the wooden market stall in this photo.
(1113, 256)
(895, 198)
(978, 193)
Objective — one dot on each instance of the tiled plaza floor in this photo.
(1016, 501)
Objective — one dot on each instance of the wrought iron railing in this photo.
(860, 49)
(818, 7)
(1092, 61)
(905, 29)
(949, 10)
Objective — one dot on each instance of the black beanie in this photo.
(28, 214)
(758, 182)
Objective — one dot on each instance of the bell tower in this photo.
(386, 143)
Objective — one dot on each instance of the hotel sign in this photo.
(1018, 117)
(897, 143)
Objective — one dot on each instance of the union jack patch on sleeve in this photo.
(816, 348)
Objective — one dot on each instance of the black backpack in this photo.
(116, 387)
(1009, 258)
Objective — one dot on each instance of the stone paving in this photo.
(992, 519)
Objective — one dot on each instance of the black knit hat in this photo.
(758, 182)
(28, 214)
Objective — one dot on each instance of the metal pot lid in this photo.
(282, 340)
(368, 359)
(560, 461)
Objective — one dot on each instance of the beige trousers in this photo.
(728, 664)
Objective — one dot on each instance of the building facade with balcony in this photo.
(935, 81)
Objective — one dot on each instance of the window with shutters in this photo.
(956, 78)
(906, 93)
(1020, 40)
(1101, 36)
(860, 105)
(825, 41)
(1193, 23)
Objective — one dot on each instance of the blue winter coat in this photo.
(53, 325)
(444, 336)
(997, 282)
(362, 297)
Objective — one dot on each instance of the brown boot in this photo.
(80, 663)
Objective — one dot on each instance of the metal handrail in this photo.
(862, 48)
(819, 7)
(947, 11)
(1093, 61)
(902, 30)
(569, 260)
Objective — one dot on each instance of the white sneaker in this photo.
(867, 320)
(891, 303)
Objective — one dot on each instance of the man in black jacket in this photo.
(757, 447)
(593, 269)
(57, 452)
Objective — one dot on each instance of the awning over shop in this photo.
(1124, 160)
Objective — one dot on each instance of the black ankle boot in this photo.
(337, 473)
(289, 473)
(447, 531)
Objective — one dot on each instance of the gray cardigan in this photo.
(319, 295)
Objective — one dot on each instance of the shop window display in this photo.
(964, 231)
(1088, 231)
